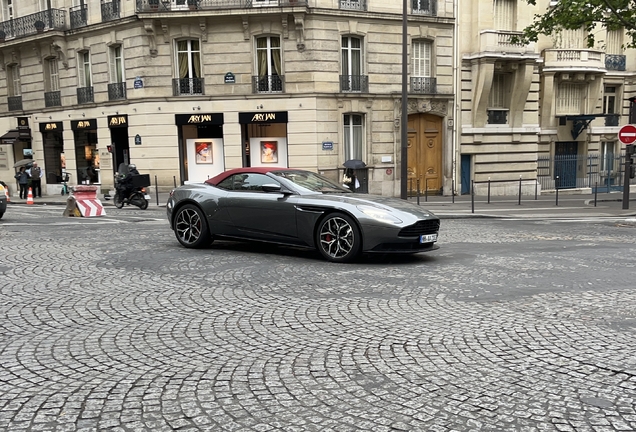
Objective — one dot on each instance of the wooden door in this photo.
(425, 153)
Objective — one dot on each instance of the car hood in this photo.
(386, 203)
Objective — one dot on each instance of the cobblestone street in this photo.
(108, 324)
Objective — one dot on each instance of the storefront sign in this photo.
(23, 123)
(51, 127)
(137, 139)
(327, 145)
(199, 119)
(118, 121)
(229, 78)
(263, 117)
(83, 124)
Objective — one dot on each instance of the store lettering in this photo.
(83, 124)
(50, 126)
(263, 117)
(200, 118)
(116, 121)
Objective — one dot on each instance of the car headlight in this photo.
(379, 215)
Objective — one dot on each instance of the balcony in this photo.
(110, 10)
(426, 85)
(85, 95)
(501, 42)
(15, 103)
(268, 84)
(354, 83)
(194, 5)
(53, 19)
(52, 99)
(117, 91)
(573, 59)
(78, 16)
(187, 86)
(498, 116)
(615, 62)
(612, 120)
(360, 5)
(424, 7)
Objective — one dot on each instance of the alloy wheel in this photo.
(337, 238)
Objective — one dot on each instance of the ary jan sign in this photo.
(627, 134)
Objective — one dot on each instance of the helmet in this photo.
(132, 166)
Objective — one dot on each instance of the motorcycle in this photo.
(137, 195)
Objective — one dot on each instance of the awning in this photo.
(10, 137)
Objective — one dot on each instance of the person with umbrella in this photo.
(350, 179)
(23, 180)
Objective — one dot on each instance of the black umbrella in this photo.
(354, 164)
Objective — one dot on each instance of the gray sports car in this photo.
(299, 208)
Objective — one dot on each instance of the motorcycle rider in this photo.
(125, 183)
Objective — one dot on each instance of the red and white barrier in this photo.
(83, 201)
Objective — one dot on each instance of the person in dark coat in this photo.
(23, 181)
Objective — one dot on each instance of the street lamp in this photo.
(405, 115)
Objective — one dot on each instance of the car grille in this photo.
(430, 226)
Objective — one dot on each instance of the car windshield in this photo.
(311, 182)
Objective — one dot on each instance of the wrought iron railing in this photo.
(185, 5)
(497, 116)
(110, 10)
(602, 173)
(78, 16)
(424, 7)
(268, 84)
(426, 85)
(85, 95)
(353, 4)
(15, 103)
(117, 91)
(354, 83)
(52, 99)
(187, 86)
(615, 62)
(53, 19)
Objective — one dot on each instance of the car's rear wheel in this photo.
(338, 238)
(191, 228)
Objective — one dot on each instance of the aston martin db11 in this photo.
(298, 208)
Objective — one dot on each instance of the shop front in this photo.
(264, 138)
(86, 156)
(20, 140)
(200, 146)
(53, 146)
(120, 147)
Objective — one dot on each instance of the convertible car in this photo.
(298, 208)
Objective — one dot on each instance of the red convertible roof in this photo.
(260, 170)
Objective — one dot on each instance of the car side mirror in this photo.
(271, 187)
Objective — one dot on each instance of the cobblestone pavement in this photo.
(107, 324)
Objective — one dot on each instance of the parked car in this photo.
(298, 208)
(3, 198)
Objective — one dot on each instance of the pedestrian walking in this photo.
(23, 180)
(36, 180)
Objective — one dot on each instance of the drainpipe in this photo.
(457, 98)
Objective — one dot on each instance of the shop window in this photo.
(353, 136)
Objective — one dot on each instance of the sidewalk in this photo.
(545, 206)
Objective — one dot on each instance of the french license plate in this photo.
(428, 238)
(147, 197)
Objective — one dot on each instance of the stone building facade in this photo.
(188, 88)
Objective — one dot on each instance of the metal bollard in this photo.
(453, 192)
(536, 188)
(426, 190)
(488, 190)
(519, 190)
(156, 190)
(472, 195)
(596, 192)
(418, 191)
(174, 180)
(557, 190)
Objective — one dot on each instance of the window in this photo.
(614, 42)
(422, 58)
(425, 7)
(570, 98)
(85, 79)
(353, 136)
(189, 67)
(499, 99)
(52, 75)
(246, 182)
(116, 64)
(352, 75)
(7, 10)
(607, 155)
(571, 39)
(268, 64)
(609, 100)
(505, 14)
(44, 5)
(13, 80)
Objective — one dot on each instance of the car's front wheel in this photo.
(338, 238)
(191, 228)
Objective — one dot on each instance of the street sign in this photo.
(627, 134)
